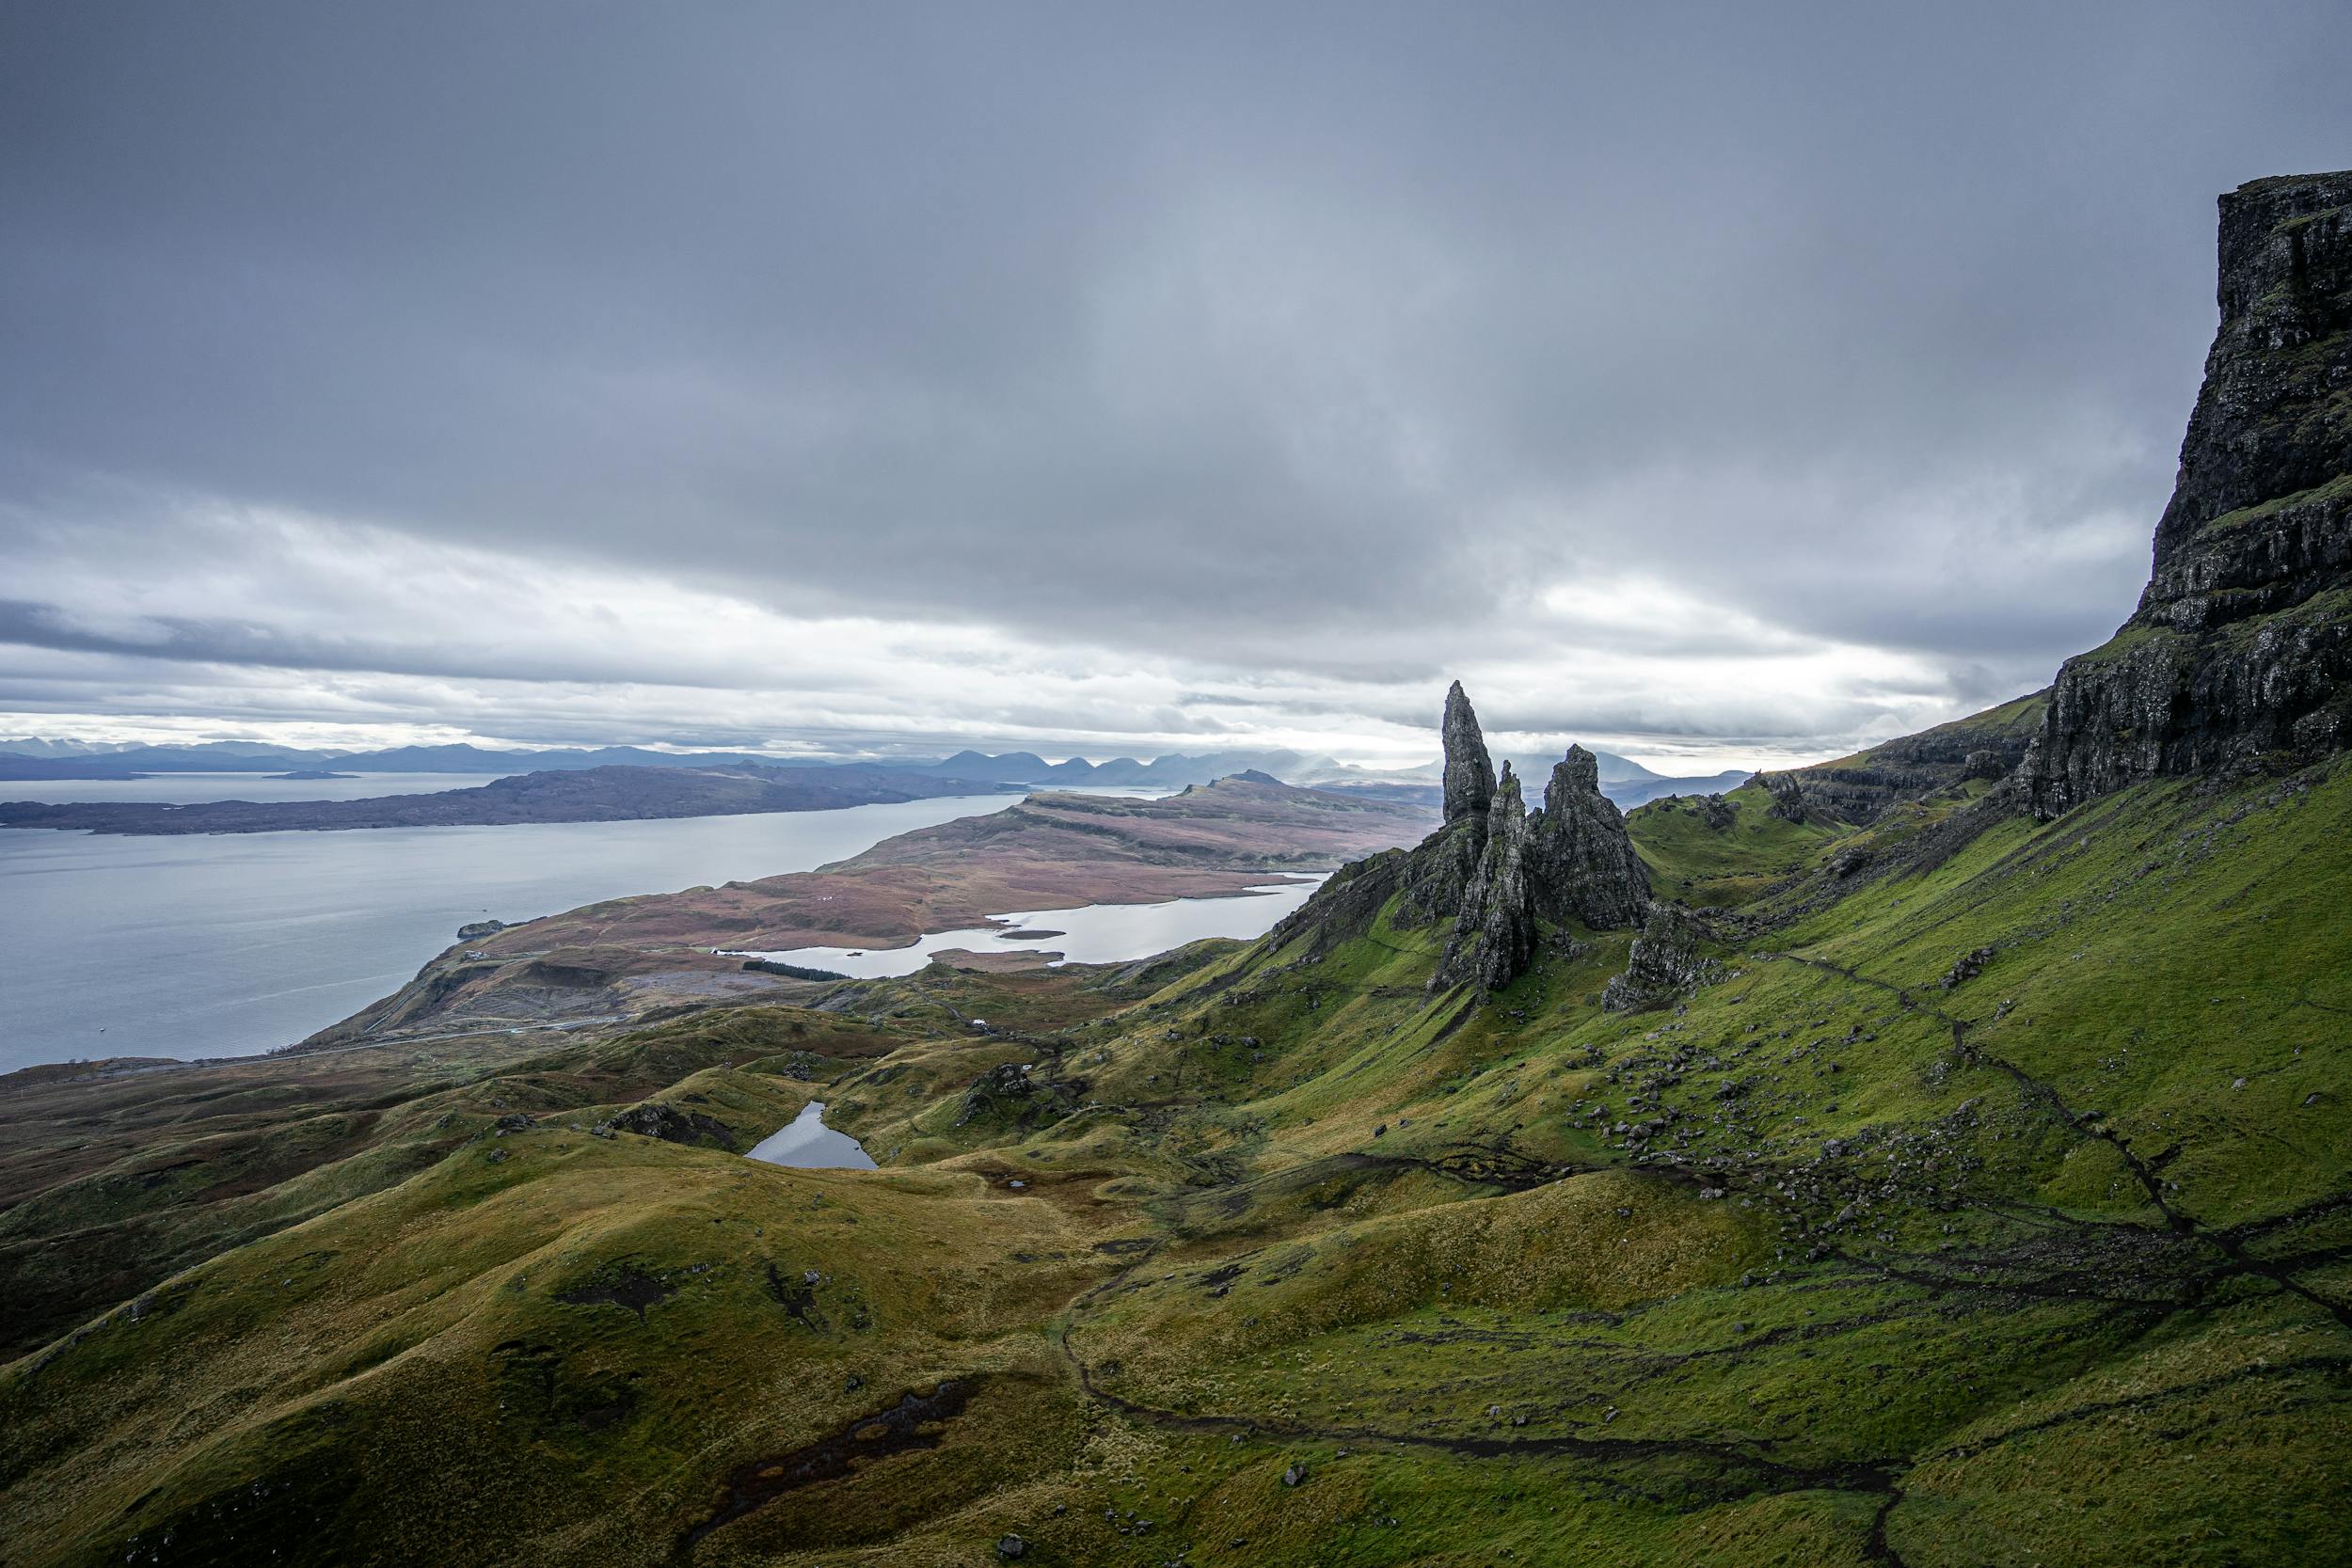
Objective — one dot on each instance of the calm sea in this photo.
(224, 944)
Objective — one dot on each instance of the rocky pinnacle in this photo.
(1470, 773)
(1494, 937)
(1570, 862)
(1582, 863)
(1500, 872)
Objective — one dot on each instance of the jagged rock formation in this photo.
(1494, 935)
(1665, 962)
(2242, 643)
(656, 1119)
(1582, 863)
(1498, 872)
(1470, 773)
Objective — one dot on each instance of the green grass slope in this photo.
(1989, 1203)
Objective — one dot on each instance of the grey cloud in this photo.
(1306, 339)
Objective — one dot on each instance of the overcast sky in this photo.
(1722, 384)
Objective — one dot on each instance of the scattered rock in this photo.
(1967, 967)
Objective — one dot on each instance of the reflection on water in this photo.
(809, 1144)
(1091, 934)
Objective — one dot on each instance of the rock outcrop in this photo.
(1580, 862)
(1498, 872)
(1862, 788)
(2241, 648)
(653, 1118)
(1666, 961)
(1470, 773)
(1495, 932)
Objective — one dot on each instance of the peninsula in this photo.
(613, 793)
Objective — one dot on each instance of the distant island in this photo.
(16, 768)
(307, 774)
(615, 794)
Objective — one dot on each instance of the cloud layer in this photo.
(1732, 384)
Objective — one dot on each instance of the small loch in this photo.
(809, 1144)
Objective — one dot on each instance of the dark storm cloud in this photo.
(1356, 342)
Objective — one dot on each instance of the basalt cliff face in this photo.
(2241, 648)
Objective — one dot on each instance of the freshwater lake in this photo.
(808, 1143)
(231, 943)
(1093, 934)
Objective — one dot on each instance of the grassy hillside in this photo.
(1718, 851)
(1990, 1204)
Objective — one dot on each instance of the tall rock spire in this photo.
(1581, 862)
(1494, 938)
(1470, 773)
(1498, 872)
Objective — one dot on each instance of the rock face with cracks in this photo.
(2241, 648)
(1470, 773)
(1582, 864)
(1495, 933)
(1666, 961)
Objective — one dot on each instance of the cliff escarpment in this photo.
(2241, 647)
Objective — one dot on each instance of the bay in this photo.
(226, 944)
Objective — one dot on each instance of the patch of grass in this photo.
(1722, 857)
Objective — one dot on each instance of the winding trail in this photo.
(2224, 1240)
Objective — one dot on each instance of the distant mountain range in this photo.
(1623, 780)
